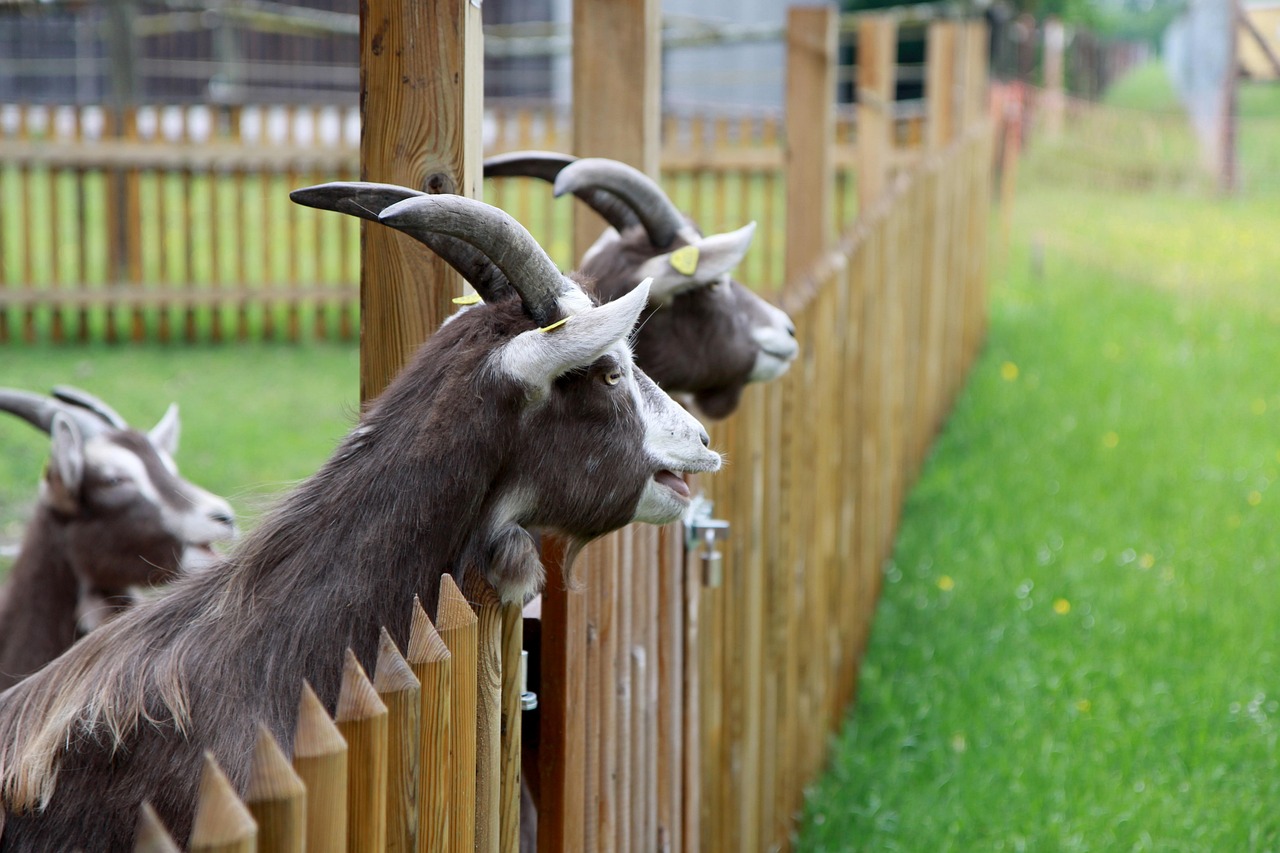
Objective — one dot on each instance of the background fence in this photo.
(173, 222)
(685, 702)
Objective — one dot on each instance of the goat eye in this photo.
(613, 377)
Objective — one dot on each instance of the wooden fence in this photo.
(173, 223)
(686, 702)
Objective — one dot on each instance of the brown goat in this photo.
(710, 336)
(498, 425)
(113, 515)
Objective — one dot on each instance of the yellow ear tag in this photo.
(685, 260)
(557, 324)
(469, 299)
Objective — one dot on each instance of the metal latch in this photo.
(704, 533)
(528, 700)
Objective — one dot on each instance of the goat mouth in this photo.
(672, 481)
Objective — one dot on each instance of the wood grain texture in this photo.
(277, 798)
(222, 823)
(432, 664)
(362, 719)
(810, 118)
(400, 691)
(320, 759)
(151, 835)
(562, 700)
(457, 625)
(421, 81)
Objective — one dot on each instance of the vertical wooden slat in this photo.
(277, 798)
(671, 729)
(811, 84)
(432, 664)
(512, 712)
(488, 806)
(456, 624)
(362, 719)
(562, 700)
(151, 835)
(222, 822)
(616, 89)
(400, 691)
(421, 75)
(320, 759)
(877, 55)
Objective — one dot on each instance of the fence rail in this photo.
(172, 222)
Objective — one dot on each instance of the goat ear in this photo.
(535, 358)
(164, 435)
(66, 459)
(714, 257)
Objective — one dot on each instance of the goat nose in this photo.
(791, 328)
(706, 439)
(223, 518)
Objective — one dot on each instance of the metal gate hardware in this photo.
(702, 532)
(528, 700)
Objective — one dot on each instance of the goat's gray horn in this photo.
(484, 228)
(661, 219)
(85, 400)
(546, 166)
(39, 411)
(367, 200)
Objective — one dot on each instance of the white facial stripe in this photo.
(199, 522)
(112, 460)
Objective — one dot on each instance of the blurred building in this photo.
(1259, 40)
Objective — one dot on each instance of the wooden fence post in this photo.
(222, 823)
(276, 797)
(488, 806)
(362, 719)
(562, 699)
(431, 662)
(456, 624)
(421, 79)
(810, 117)
(616, 89)
(877, 59)
(940, 85)
(320, 759)
(1055, 42)
(400, 691)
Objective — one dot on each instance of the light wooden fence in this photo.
(683, 708)
(173, 223)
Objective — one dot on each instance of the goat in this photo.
(711, 335)
(523, 411)
(112, 515)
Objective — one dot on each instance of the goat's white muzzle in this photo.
(676, 444)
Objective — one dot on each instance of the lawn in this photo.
(1071, 653)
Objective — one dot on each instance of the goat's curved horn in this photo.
(546, 166)
(366, 200)
(659, 216)
(484, 228)
(39, 411)
(85, 400)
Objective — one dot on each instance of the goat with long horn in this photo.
(113, 515)
(711, 335)
(500, 424)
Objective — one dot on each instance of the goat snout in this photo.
(706, 439)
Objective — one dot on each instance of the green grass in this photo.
(1075, 649)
